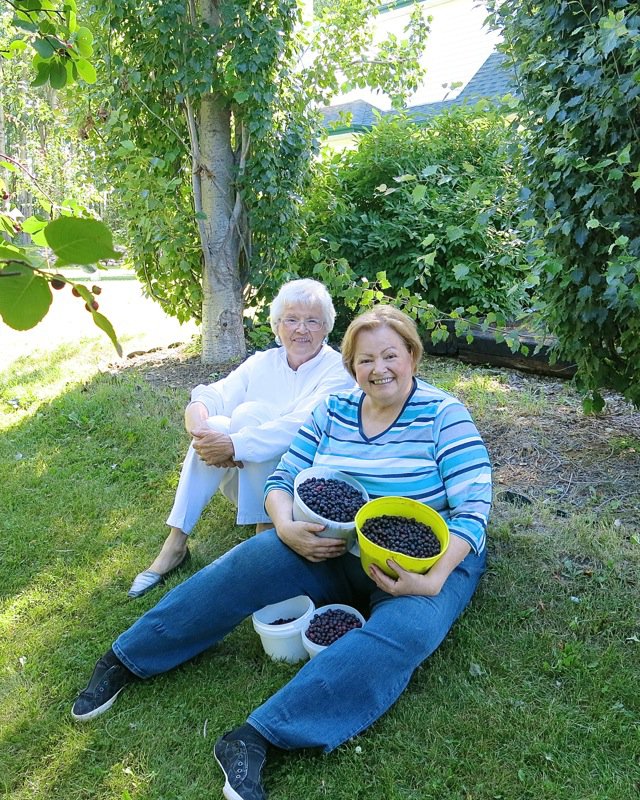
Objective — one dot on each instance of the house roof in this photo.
(492, 81)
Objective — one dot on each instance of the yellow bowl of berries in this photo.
(411, 533)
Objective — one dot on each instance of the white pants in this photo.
(244, 487)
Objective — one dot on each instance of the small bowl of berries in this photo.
(414, 535)
(279, 626)
(327, 625)
(330, 498)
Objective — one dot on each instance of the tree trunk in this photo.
(222, 305)
(4, 173)
(220, 231)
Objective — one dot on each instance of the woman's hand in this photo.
(302, 538)
(214, 448)
(428, 584)
(195, 417)
(406, 582)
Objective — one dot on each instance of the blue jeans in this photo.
(346, 687)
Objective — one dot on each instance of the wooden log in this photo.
(484, 349)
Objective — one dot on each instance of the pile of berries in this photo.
(282, 621)
(403, 535)
(330, 498)
(333, 623)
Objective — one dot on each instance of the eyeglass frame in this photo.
(292, 324)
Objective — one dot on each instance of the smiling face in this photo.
(383, 367)
(298, 340)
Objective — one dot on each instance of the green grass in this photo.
(533, 695)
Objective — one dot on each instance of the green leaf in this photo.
(80, 241)
(593, 404)
(42, 74)
(10, 253)
(86, 70)
(429, 170)
(593, 223)
(83, 36)
(407, 178)
(624, 156)
(24, 298)
(35, 228)
(429, 258)
(418, 192)
(455, 232)
(461, 271)
(17, 46)
(103, 323)
(241, 97)
(58, 75)
(44, 48)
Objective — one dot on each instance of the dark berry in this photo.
(75, 292)
(332, 499)
(402, 535)
(94, 305)
(282, 621)
(333, 623)
(96, 289)
(58, 282)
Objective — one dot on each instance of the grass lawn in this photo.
(534, 695)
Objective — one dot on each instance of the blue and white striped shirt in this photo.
(432, 453)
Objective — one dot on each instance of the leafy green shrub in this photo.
(578, 68)
(434, 206)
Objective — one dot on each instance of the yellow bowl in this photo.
(371, 553)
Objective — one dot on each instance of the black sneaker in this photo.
(242, 764)
(106, 683)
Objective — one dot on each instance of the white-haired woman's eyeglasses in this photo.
(292, 324)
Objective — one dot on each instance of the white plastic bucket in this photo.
(311, 647)
(284, 642)
(335, 530)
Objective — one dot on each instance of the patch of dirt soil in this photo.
(564, 458)
(559, 456)
(170, 367)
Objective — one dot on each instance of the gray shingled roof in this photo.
(493, 80)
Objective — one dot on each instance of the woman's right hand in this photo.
(303, 539)
(195, 418)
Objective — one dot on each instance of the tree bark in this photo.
(214, 173)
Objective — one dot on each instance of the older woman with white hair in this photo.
(242, 424)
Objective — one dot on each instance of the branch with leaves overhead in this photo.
(63, 48)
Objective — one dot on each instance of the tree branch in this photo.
(32, 178)
(158, 117)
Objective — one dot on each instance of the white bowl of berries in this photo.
(280, 626)
(330, 498)
(328, 624)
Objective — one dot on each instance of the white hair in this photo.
(307, 292)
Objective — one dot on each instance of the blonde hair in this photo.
(379, 317)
